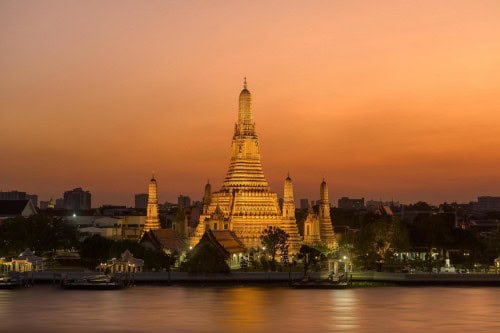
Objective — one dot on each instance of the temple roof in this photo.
(12, 207)
(229, 241)
(165, 239)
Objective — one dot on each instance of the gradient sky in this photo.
(385, 99)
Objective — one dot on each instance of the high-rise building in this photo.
(17, 195)
(152, 217)
(245, 203)
(33, 198)
(184, 201)
(141, 201)
(487, 204)
(59, 203)
(44, 204)
(304, 204)
(77, 199)
(13, 195)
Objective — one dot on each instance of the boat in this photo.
(322, 284)
(93, 282)
(332, 282)
(11, 280)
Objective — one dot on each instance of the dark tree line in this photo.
(40, 233)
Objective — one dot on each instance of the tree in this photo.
(38, 232)
(310, 256)
(95, 250)
(421, 205)
(274, 239)
(379, 239)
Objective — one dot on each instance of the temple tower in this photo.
(245, 203)
(152, 219)
(207, 197)
(289, 223)
(325, 222)
(288, 200)
(311, 227)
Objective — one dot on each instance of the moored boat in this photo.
(320, 285)
(11, 280)
(93, 282)
(333, 282)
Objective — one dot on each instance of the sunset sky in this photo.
(385, 99)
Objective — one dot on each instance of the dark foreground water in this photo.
(251, 309)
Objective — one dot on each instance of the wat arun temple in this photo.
(245, 203)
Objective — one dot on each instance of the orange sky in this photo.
(385, 99)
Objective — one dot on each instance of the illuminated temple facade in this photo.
(152, 217)
(245, 203)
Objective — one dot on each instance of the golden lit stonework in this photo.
(325, 222)
(152, 218)
(245, 203)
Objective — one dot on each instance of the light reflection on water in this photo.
(250, 309)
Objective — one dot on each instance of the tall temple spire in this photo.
(207, 197)
(152, 219)
(288, 210)
(245, 204)
(245, 121)
(325, 221)
(245, 169)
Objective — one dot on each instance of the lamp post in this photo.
(345, 268)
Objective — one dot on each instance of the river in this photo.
(251, 309)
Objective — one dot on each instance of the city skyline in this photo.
(400, 104)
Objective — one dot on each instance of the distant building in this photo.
(44, 205)
(115, 228)
(59, 203)
(487, 204)
(304, 204)
(13, 208)
(113, 210)
(141, 201)
(193, 215)
(197, 203)
(77, 199)
(347, 203)
(16, 195)
(13, 195)
(33, 198)
(184, 201)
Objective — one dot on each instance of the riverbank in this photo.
(415, 279)
(423, 279)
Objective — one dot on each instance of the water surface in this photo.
(251, 309)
